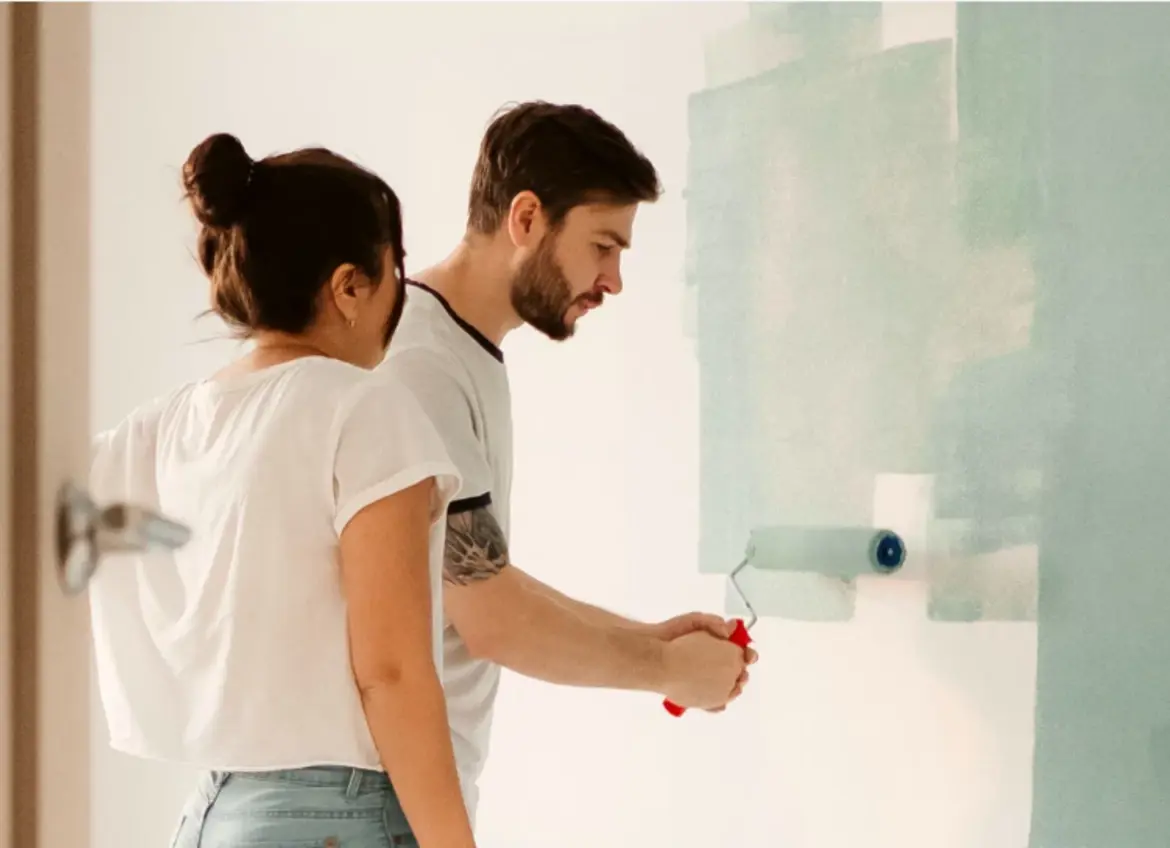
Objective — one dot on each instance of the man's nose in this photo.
(610, 283)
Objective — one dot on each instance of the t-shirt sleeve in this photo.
(122, 464)
(103, 467)
(386, 443)
(444, 393)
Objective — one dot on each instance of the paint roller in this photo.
(842, 552)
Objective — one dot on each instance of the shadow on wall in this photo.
(960, 324)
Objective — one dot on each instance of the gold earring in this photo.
(352, 323)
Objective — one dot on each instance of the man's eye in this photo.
(603, 249)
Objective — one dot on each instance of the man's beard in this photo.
(541, 294)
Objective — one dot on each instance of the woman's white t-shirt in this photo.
(232, 653)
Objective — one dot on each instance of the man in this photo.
(553, 199)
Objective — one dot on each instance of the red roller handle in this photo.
(739, 636)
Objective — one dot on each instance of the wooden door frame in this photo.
(6, 542)
(44, 386)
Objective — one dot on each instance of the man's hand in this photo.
(702, 670)
(694, 622)
(691, 622)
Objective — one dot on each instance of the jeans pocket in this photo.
(289, 832)
(289, 838)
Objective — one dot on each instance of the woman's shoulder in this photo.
(146, 416)
(340, 384)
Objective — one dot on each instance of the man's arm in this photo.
(588, 612)
(506, 616)
(511, 618)
(668, 630)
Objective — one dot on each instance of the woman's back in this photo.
(292, 648)
(232, 653)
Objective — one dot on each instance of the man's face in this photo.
(573, 268)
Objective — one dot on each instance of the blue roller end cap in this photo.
(889, 551)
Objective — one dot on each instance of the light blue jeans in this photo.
(320, 807)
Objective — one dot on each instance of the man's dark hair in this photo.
(565, 155)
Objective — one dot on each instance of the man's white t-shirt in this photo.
(460, 380)
(231, 653)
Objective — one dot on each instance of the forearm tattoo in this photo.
(476, 548)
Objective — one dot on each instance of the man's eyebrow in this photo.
(613, 234)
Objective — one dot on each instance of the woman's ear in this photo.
(345, 288)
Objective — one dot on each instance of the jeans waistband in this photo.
(354, 781)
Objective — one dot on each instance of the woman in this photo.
(291, 648)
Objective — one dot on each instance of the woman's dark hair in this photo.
(274, 230)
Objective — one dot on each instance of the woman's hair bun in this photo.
(216, 177)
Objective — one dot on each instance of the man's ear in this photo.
(526, 220)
